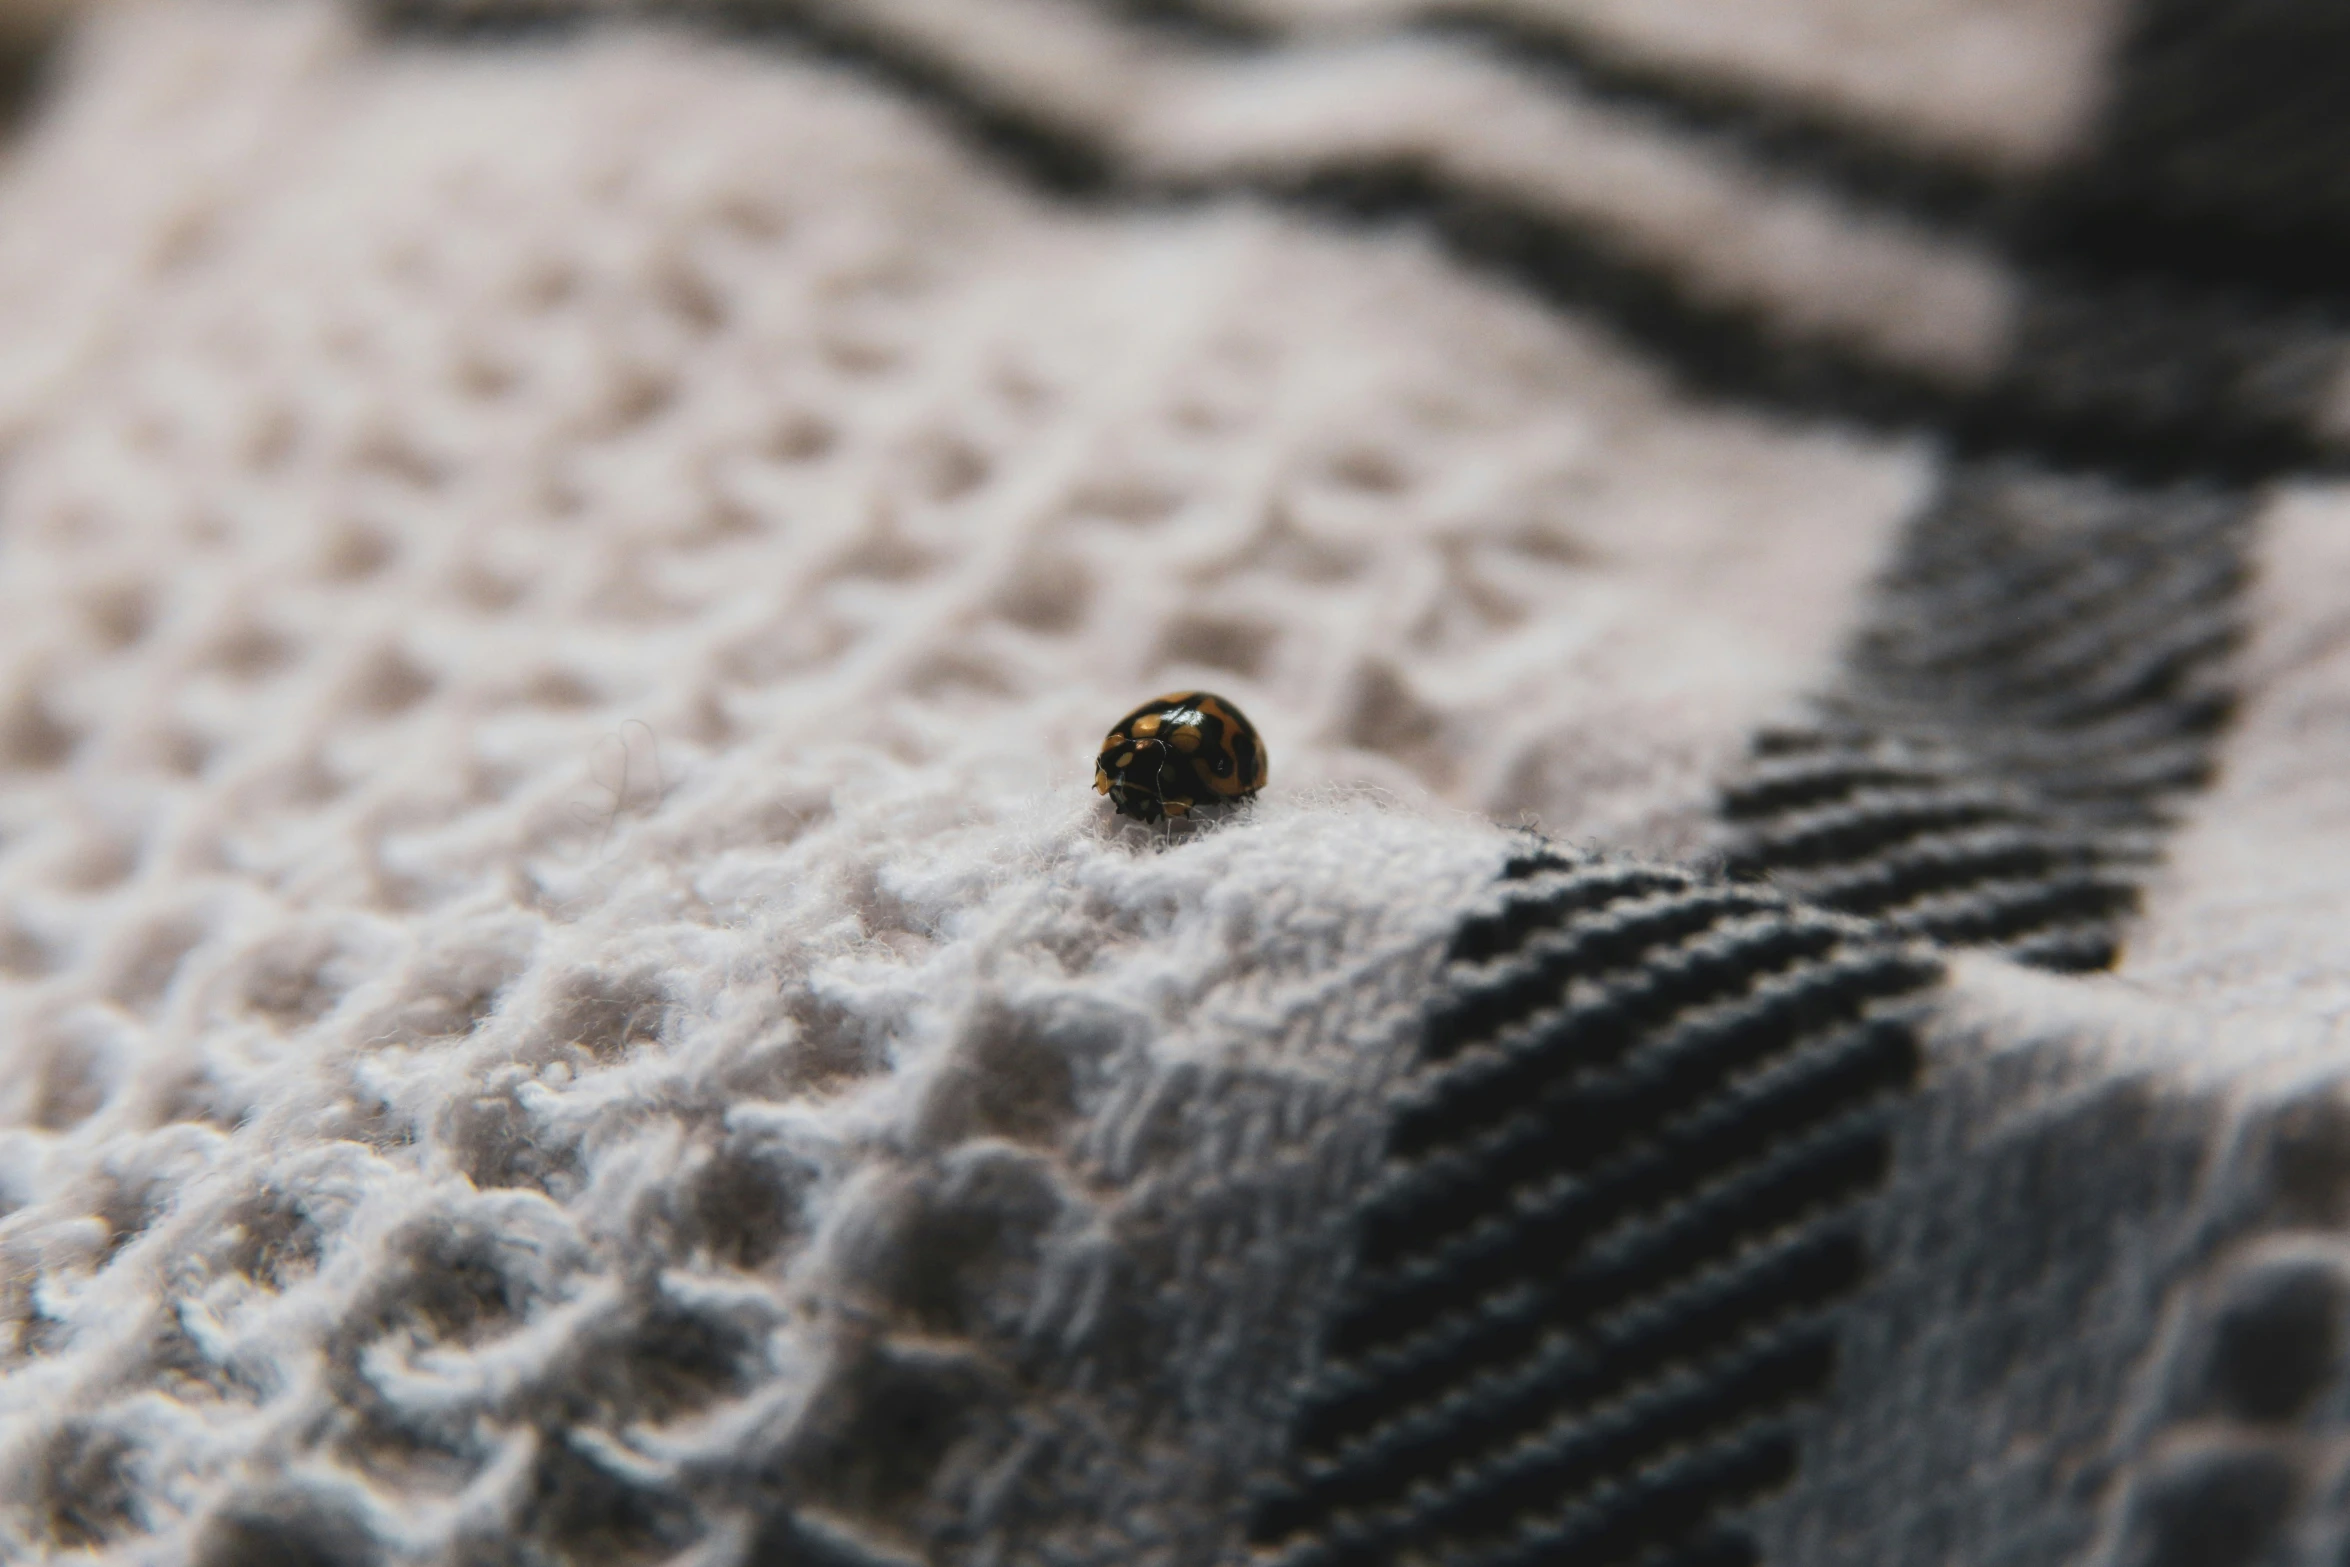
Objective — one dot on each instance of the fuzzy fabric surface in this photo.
(565, 996)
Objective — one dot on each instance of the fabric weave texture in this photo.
(565, 997)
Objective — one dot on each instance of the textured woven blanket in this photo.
(565, 994)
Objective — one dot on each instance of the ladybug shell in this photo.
(1178, 754)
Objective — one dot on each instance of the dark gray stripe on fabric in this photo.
(1600, 1274)
(29, 38)
(1726, 350)
(2224, 152)
(1832, 150)
(2040, 680)
(2152, 353)
(2157, 336)
(2187, 267)
(2043, 674)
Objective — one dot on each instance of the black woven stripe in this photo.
(1645, 1292)
(1629, 1336)
(2117, 762)
(2157, 299)
(1535, 862)
(1197, 22)
(1517, 1165)
(1597, 1272)
(1658, 1250)
(1776, 1281)
(1616, 942)
(1491, 1120)
(1727, 1548)
(1798, 773)
(1358, 1394)
(1653, 1511)
(1507, 1234)
(1644, 1518)
(1611, 1004)
(1470, 1248)
(1411, 1338)
(1354, 1459)
(2221, 149)
(1991, 628)
(2050, 657)
(1987, 609)
(1812, 849)
(1743, 353)
(1484, 937)
(2081, 949)
(2043, 677)
(1875, 823)
(28, 55)
(2010, 901)
(1906, 873)
(1518, 1473)
(2153, 208)
(1642, 1287)
(2082, 677)
(1987, 913)
(2160, 744)
(1716, 350)
(1771, 128)
(2230, 193)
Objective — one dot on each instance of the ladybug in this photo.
(1177, 754)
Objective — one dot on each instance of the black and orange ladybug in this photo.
(1178, 754)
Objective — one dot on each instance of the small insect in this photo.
(1178, 754)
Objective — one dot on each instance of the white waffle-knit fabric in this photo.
(555, 604)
